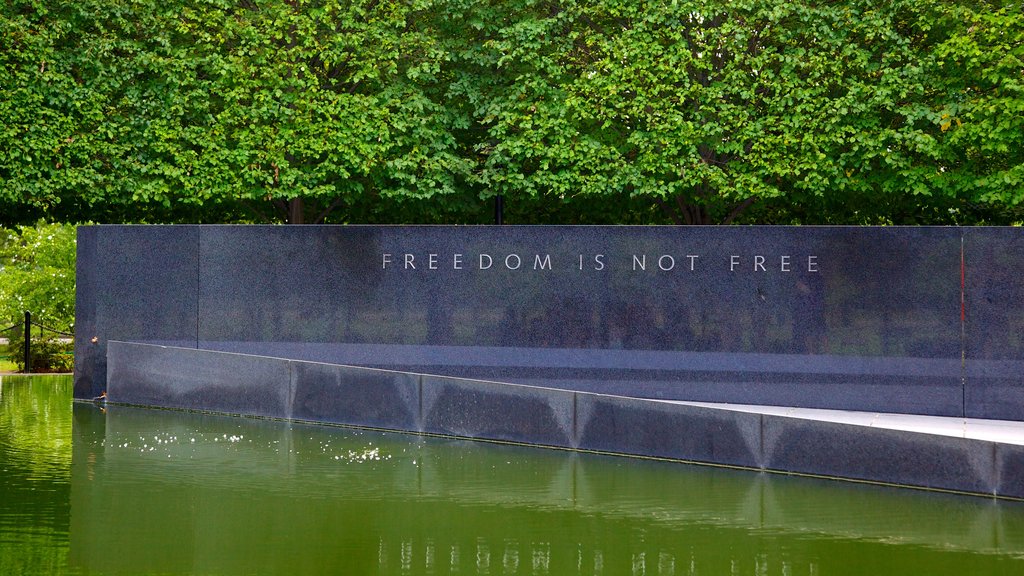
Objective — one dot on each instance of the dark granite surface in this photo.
(496, 411)
(135, 283)
(879, 455)
(90, 359)
(192, 379)
(347, 395)
(243, 384)
(848, 292)
(665, 430)
(994, 322)
(827, 317)
(1009, 470)
(856, 318)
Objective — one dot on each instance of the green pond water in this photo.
(134, 491)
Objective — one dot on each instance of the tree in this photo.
(978, 102)
(37, 274)
(310, 105)
(44, 108)
(711, 109)
(302, 106)
(685, 111)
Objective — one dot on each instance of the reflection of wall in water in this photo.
(513, 555)
(138, 479)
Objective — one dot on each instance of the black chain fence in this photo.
(54, 330)
(38, 354)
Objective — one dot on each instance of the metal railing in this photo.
(9, 329)
(27, 334)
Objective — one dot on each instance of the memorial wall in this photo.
(914, 320)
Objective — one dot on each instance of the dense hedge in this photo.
(576, 111)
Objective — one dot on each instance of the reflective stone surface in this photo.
(1009, 470)
(849, 318)
(665, 430)
(880, 455)
(994, 322)
(137, 283)
(475, 409)
(365, 397)
(148, 375)
(347, 395)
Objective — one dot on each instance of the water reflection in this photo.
(185, 493)
(180, 494)
(35, 474)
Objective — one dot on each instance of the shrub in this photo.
(37, 274)
(49, 354)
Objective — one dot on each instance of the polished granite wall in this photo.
(148, 375)
(994, 323)
(916, 320)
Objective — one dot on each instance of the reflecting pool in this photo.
(132, 491)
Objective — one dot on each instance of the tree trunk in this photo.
(683, 212)
(296, 211)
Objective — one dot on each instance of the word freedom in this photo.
(639, 262)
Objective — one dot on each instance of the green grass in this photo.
(6, 365)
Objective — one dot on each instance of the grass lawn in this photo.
(7, 366)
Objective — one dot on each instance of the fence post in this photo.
(28, 342)
(499, 209)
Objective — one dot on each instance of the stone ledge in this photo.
(185, 378)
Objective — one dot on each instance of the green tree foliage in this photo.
(267, 104)
(37, 274)
(688, 111)
(302, 102)
(978, 102)
(829, 111)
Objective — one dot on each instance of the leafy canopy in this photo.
(689, 111)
